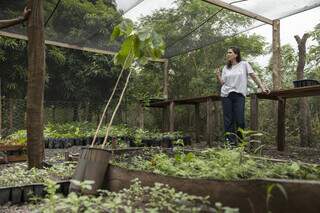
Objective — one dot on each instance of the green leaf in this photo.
(115, 33)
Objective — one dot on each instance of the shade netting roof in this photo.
(186, 25)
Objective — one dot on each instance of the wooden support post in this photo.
(171, 116)
(10, 113)
(165, 80)
(35, 87)
(209, 122)
(276, 57)
(197, 122)
(141, 115)
(165, 119)
(281, 132)
(254, 112)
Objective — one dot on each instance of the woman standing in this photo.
(234, 79)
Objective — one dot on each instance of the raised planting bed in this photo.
(227, 176)
(12, 153)
(17, 181)
(21, 194)
(136, 198)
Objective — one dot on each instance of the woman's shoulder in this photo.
(244, 62)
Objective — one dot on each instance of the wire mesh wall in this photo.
(13, 114)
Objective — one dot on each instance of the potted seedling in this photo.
(136, 47)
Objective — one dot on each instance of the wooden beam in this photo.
(71, 46)
(239, 10)
(281, 132)
(276, 57)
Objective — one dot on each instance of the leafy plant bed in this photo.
(19, 174)
(226, 176)
(123, 141)
(136, 198)
(12, 153)
(59, 136)
(17, 181)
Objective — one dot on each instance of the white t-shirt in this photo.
(236, 78)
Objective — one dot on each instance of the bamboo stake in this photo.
(106, 108)
(116, 109)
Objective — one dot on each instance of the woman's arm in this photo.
(218, 75)
(11, 22)
(257, 80)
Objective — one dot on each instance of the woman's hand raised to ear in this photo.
(218, 75)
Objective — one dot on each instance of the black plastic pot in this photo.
(4, 195)
(167, 142)
(46, 142)
(51, 143)
(27, 193)
(305, 83)
(38, 190)
(101, 139)
(74, 142)
(186, 140)
(147, 142)
(60, 143)
(84, 141)
(68, 142)
(156, 142)
(64, 188)
(89, 140)
(131, 143)
(16, 194)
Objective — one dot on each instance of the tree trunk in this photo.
(75, 116)
(54, 113)
(10, 113)
(304, 113)
(35, 88)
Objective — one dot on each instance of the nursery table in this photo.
(280, 96)
(170, 105)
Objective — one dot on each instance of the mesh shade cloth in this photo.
(89, 23)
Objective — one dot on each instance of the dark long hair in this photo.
(236, 50)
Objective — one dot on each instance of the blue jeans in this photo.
(233, 114)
